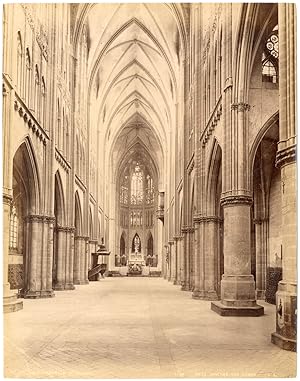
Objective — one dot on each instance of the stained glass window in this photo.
(149, 190)
(137, 186)
(272, 44)
(270, 58)
(124, 191)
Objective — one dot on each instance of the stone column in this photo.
(191, 232)
(82, 254)
(176, 280)
(171, 261)
(180, 269)
(76, 268)
(61, 259)
(237, 284)
(261, 234)
(185, 283)
(70, 259)
(286, 296)
(165, 261)
(39, 257)
(206, 231)
(86, 261)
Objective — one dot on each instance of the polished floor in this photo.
(138, 328)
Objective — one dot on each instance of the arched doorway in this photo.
(122, 259)
(266, 237)
(150, 259)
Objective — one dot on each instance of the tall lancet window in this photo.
(13, 237)
(149, 190)
(124, 190)
(137, 186)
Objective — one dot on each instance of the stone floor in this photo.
(138, 328)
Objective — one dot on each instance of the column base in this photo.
(176, 282)
(260, 294)
(286, 316)
(223, 310)
(38, 294)
(185, 287)
(59, 287)
(283, 342)
(204, 295)
(81, 282)
(11, 303)
(69, 286)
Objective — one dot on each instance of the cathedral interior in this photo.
(149, 190)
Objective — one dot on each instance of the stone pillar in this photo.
(206, 232)
(185, 283)
(191, 233)
(86, 261)
(70, 259)
(61, 258)
(180, 269)
(39, 257)
(286, 296)
(261, 237)
(171, 261)
(237, 285)
(165, 263)
(80, 261)
(76, 268)
(176, 280)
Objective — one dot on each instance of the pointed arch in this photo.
(91, 223)
(150, 244)
(136, 243)
(25, 167)
(78, 215)
(59, 201)
(213, 179)
(273, 120)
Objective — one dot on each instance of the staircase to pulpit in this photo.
(98, 263)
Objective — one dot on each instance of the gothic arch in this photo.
(273, 120)
(78, 215)
(59, 201)
(91, 223)
(134, 242)
(213, 179)
(25, 167)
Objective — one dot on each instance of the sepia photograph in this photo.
(149, 185)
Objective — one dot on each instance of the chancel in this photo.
(149, 184)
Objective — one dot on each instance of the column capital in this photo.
(187, 229)
(236, 200)
(67, 229)
(240, 106)
(40, 218)
(202, 219)
(286, 156)
(79, 238)
(7, 199)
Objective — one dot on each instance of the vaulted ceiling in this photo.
(134, 57)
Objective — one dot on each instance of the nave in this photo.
(138, 328)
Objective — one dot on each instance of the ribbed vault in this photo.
(133, 68)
